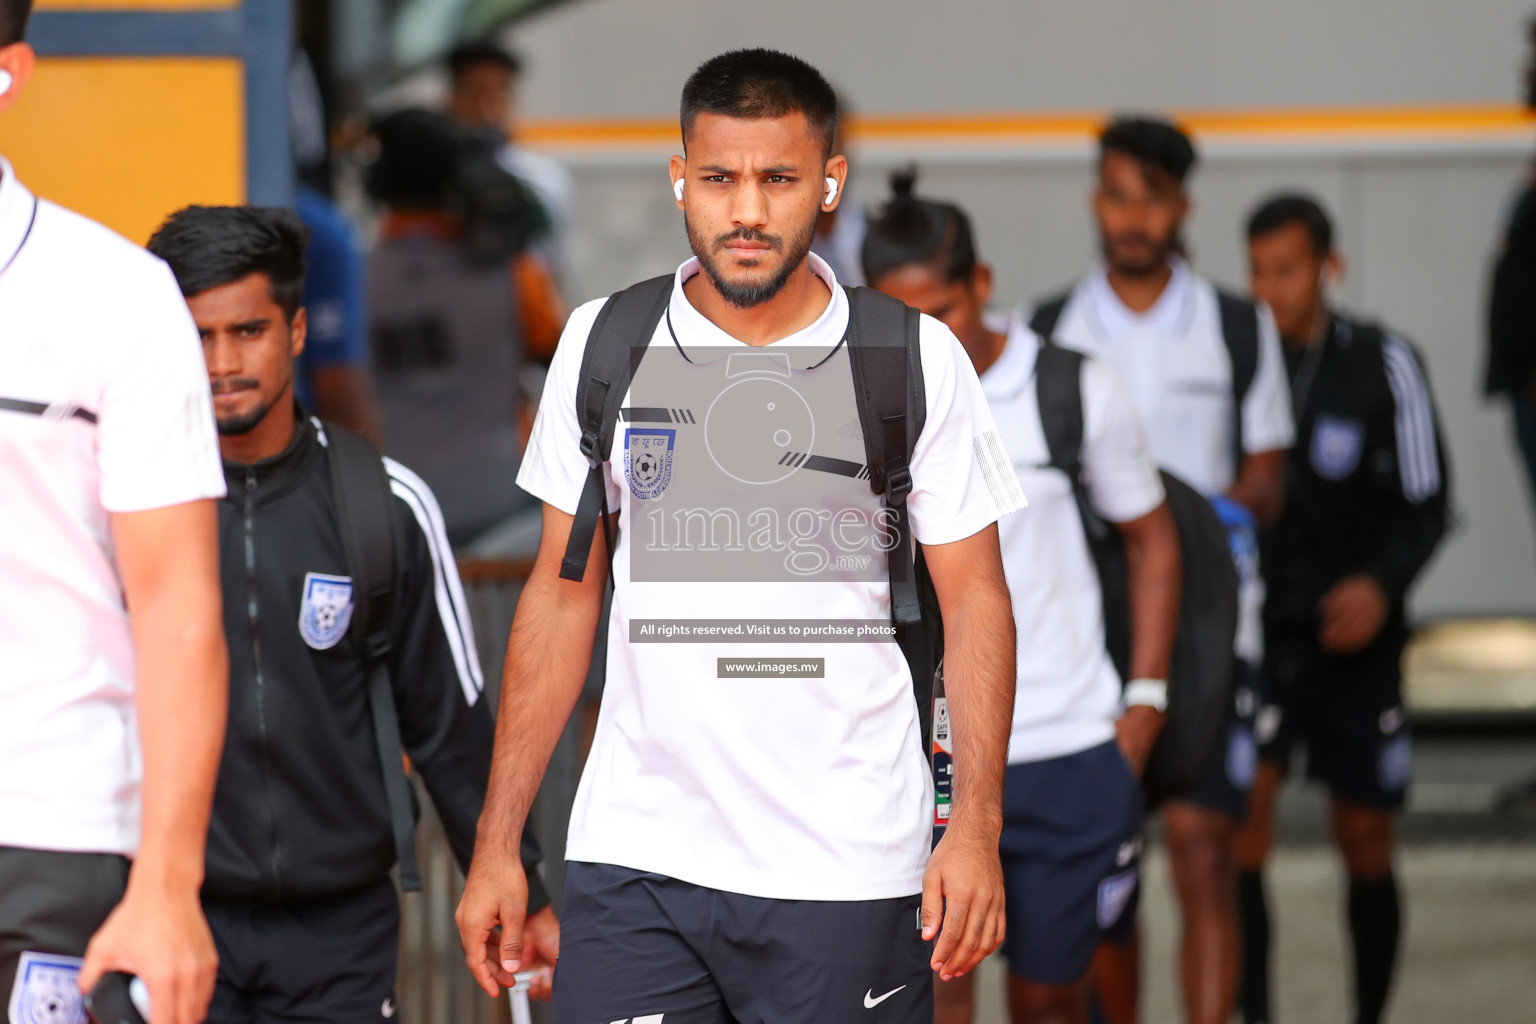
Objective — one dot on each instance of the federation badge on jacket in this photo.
(46, 990)
(648, 461)
(326, 610)
(1336, 445)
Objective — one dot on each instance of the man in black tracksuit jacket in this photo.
(298, 890)
(1366, 507)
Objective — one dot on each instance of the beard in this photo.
(751, 293)
(1157, 252)
(239, 424)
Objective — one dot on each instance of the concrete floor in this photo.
(1469, 875)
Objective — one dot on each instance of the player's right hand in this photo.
(159, 934)
(490, 917)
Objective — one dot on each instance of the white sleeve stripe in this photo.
(1415, 424)
(446, 586)
(1004, 470)
(1416, 452)
(437, 537)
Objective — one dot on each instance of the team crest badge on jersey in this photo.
(45, 991)
(326, 611)
(1336, 446)
(648, 461)
(1114, 893)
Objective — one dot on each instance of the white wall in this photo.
(1418, 219)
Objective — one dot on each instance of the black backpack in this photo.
(1239, 329)
(1200, 678)
(887, 370)
(364, 501)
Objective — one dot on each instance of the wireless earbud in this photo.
(831, 191)
(677, 189)
(6, 81)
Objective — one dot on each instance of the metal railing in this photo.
(435, 987)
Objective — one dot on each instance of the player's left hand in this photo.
(1352, 613)
(963, 900)
(541, 948)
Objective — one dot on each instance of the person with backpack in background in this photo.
(1368, 505)
(1204, 370)
(1071, 866)
(751, 838)
(350, 647)
(458, 305)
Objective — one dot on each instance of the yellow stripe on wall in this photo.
(132, 5)
(127, 141)
(1003, 127)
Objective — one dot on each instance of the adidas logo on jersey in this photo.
(654, 1018)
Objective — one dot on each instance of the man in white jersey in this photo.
(110, 721)
(749, 846)
(1071, 866)
(1204, 370)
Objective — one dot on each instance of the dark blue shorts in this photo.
(646, 949)
(328, 960)
(1229, 772)
(1346, 712)
(1071, 860)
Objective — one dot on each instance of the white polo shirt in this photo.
(784, 788)
(1068, 690)
(1177, 369)
(104, 407)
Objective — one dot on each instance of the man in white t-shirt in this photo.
(751, 836)
(110, 721)
(1071, 867)
(1204, 371)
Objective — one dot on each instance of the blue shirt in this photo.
(334, 293)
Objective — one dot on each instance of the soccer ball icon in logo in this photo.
(758, 422)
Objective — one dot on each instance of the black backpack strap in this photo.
(883, 351)
(1059, 394)
(364, 514)
(1048, 314)
(619, 338)
(1240, 330)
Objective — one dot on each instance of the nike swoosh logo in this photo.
(871, 1000)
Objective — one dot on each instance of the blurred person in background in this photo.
(1071, 867)
(331, 375)
(459, 303)
(482, 78)
(1205, 372)
(1511, 367)
(1366, 507)
(112, 659)
(305, 829)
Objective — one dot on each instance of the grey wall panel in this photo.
(1429, 234)
(1418, 231)
(627, 58)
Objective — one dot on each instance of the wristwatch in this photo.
(1152, 693)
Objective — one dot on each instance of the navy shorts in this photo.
(647, 949)
(325, 960)
(1229, 773)
(1071, 860)
(1346, 712)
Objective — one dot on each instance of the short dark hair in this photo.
(13, 20)
(1153, 142)
(474, 52)
(211, 246)
(758, 84)
(1287, 208)
(420, 154)
(910, 230)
